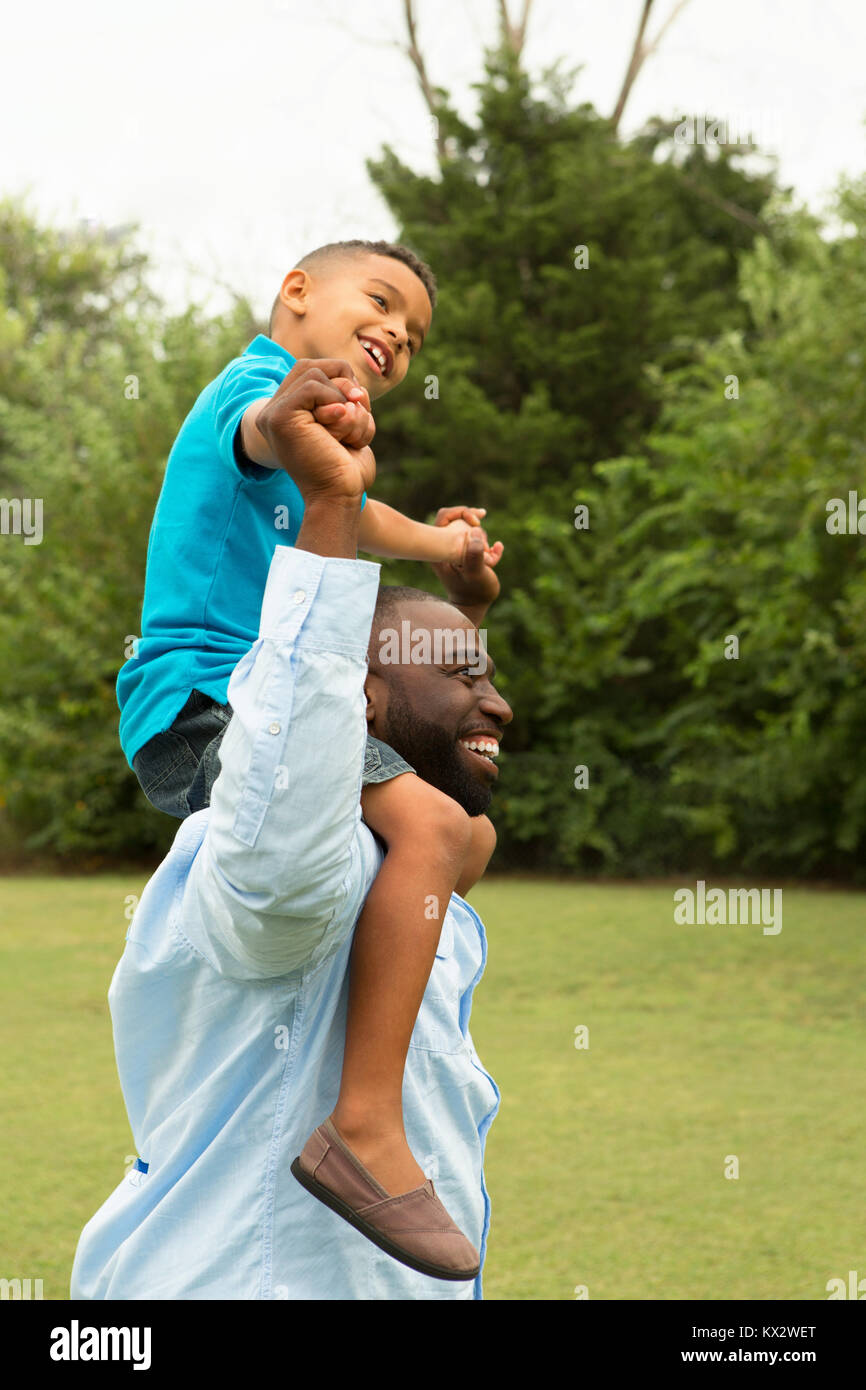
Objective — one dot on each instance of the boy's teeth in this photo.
(376, 352)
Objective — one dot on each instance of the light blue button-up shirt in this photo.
(229, 1001)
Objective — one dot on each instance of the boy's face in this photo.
(371, 310)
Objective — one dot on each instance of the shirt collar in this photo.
(262, 346)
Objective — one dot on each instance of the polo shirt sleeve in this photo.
(245, 381)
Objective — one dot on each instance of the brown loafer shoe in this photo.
(413, 1227)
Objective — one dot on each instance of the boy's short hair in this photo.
(340, 249)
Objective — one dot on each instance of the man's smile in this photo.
(482, 746)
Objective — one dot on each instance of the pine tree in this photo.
(577, 271)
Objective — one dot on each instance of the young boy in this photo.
(226, 501)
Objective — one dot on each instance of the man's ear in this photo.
(374, 691)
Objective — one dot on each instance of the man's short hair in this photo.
(391, 598)
(389, 602)
(336, 250)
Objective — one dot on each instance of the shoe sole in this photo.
(330, 1199)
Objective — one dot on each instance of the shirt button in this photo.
(298, 596)
(273, 728)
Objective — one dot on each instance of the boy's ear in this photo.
(294, 291)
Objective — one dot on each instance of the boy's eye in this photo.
(380, 299)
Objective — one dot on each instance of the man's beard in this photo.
(433, 754)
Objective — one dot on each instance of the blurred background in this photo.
(647, 222)
(165, 171)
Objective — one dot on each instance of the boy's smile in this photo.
(371, 310)
(380, 354)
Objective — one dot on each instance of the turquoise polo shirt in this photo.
(217, 522)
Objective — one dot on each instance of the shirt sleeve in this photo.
(275, 884)
(247, 380)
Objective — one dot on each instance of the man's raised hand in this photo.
(304, 445)
(350, 421)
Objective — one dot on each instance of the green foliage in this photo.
(80, 335)
(761, 750)
(604, 386)
(543, 387)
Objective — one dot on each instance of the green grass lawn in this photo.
(605, 1165)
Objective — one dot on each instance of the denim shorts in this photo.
(177, 769)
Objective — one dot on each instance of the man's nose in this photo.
(492, 703)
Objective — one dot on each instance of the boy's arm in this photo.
(393, 536)
(253, 442)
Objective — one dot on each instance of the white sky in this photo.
(235, 131)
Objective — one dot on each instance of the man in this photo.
(229, 1003)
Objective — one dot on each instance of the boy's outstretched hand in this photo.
(472, 585)
(460, 522)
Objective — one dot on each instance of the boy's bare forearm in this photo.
(392, 536)
(255, 446)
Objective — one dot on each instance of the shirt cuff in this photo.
(326, 600)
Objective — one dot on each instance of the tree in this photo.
(577, 273)
(736, 486)
(96, 379)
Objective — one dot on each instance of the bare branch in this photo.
(640, 52)
(416, 58)
(514, 35)
(680, 5)
(634, 65)
(733, 209)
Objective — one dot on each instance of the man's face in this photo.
(430, 710)
(373, 311)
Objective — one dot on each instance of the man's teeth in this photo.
(377, 353)
(488, 749)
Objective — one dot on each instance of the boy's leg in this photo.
(481, 847)
(213, 720)
(427, 836)
(177, 769)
